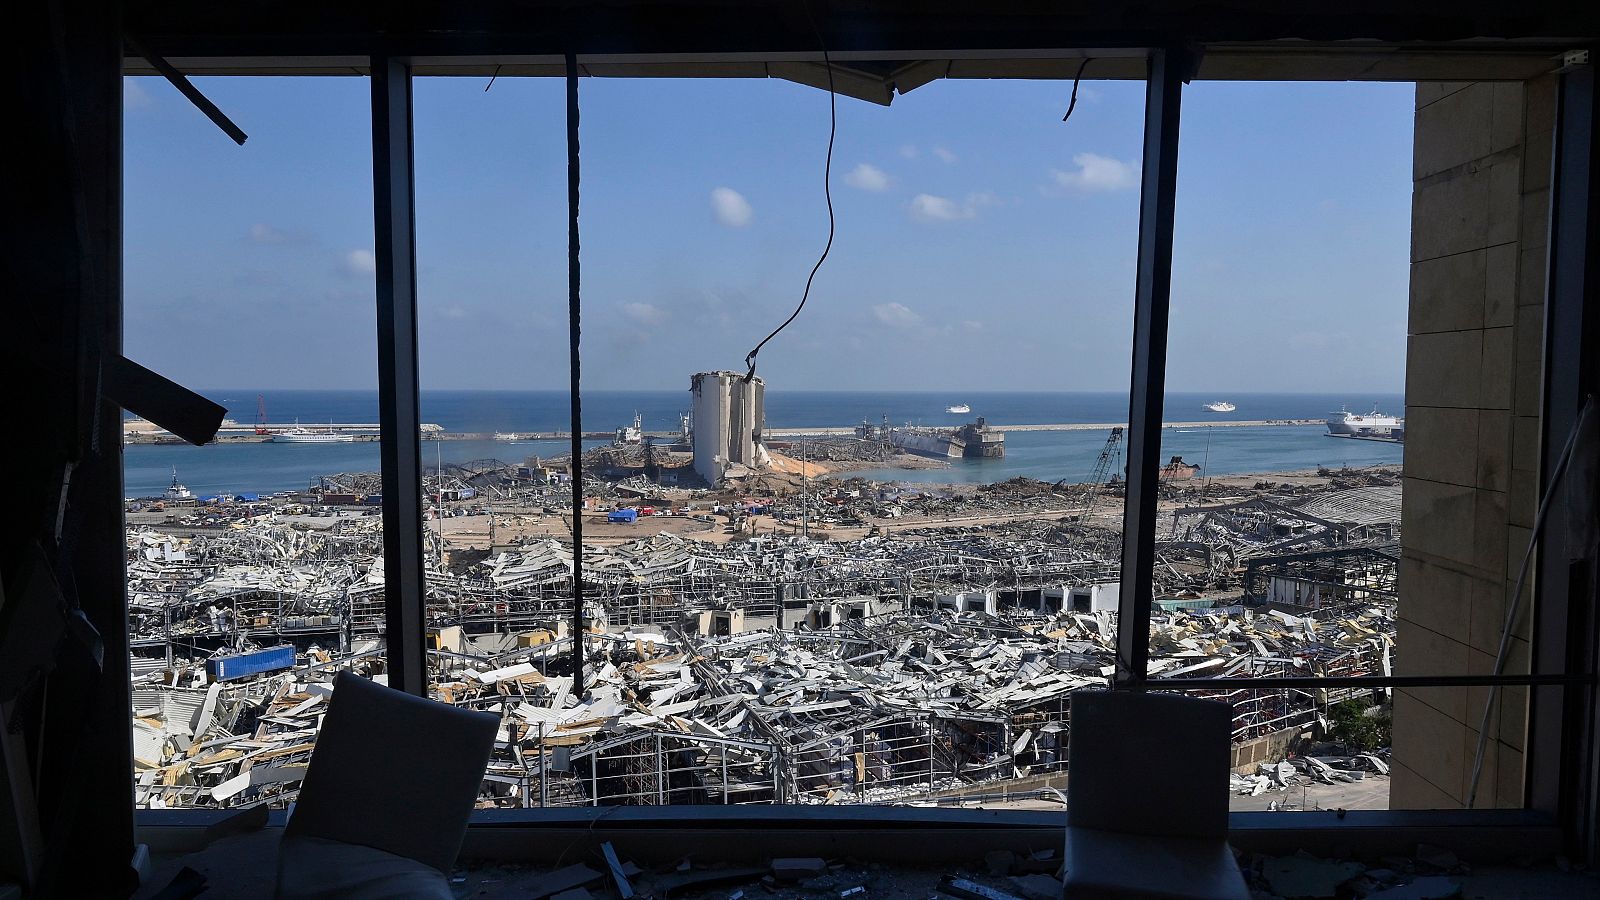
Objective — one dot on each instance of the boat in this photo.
(630, 434)
(959, 409)
(505, 435)
(935, 442)
(975, 440)
(1221, 406)
(298, 435)
(177, 491)
(1345, 423)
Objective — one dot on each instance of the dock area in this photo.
(235, 433)
(1067, 426)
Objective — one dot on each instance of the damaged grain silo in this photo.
(729, 419)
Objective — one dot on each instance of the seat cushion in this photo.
(1113, 866)
(313, 868)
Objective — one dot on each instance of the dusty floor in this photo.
(243, 867)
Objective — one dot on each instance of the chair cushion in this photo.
(313, 868)
(1111, 866)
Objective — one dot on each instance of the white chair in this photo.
(1147, 798)
(386, 798)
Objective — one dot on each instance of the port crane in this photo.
(261, 415)
(1104, 466)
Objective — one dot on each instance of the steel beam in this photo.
(575, 370)
(399, 415)
(1158, 189)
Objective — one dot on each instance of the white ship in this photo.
(1345, 422)
(505, 435)
(298, 435)
(959, 409)
(630, 434)
(177, 491)
(1221, 406)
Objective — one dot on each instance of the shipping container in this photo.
(623, 516)
(256, 662)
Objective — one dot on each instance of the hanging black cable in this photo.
(827, 196)
(1073, 103)
(574, 314)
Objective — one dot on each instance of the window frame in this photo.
(1562, 698)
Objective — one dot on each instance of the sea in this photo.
(233, 468)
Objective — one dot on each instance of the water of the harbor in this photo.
(1045, 455)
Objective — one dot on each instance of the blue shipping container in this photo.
(256, 662)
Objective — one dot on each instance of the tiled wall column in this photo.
(1480, 204)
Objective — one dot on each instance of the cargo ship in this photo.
(975, 440)
(1345, 423)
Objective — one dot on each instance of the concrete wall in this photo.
(1269, 748)
(1479, 209)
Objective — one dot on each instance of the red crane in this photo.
(261, 414)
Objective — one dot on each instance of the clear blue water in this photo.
(1049, 455)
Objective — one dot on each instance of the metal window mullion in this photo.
(1562, 763)
(1158, 189)
(399, 414)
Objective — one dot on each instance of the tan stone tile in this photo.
(1430, 744)
(1529, 361)
(1499, 285)
(1516, 543)
(1512, 710)
(1410, 790)
(1539, 110)
(1506, 121)
(1438, 519)
(1453, 130)
(1448, 293)
(1531, 266)
(1498, 381)
(1489, 531)
(1450, 215)
(1494, 450)
(1525, 443)
(1508, 720)
(1486, 615)
(1535, 228)
(1502, 766)
(1505, 200)
(1483, 798)
(1537, 159)
(1511, 785)
(1421, 651)
(1522, 501)
(1430, 91)
(1433, 597)
(1435, 440)
(1442, 369)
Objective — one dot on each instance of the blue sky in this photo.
(982, 243)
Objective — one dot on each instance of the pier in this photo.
(1064, 426)
(234, 433)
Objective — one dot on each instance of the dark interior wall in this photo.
(769, 26)
(62, 520)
